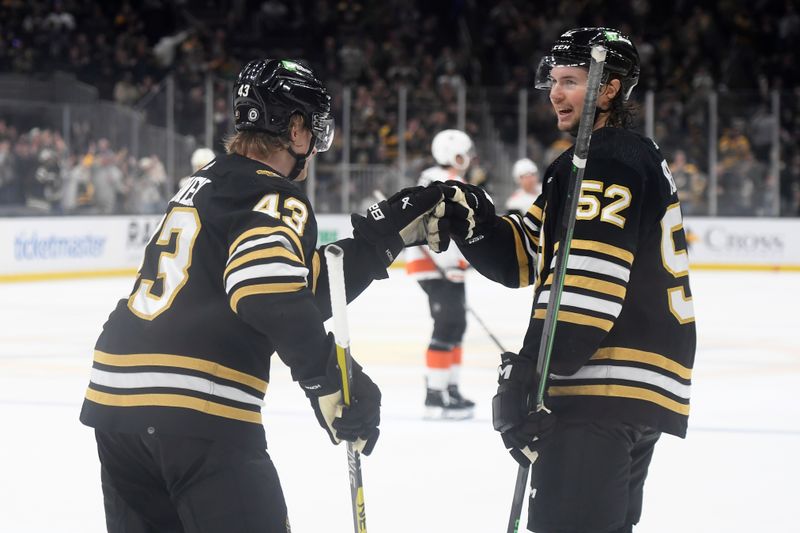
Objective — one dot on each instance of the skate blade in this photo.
(459, 414)
(433, 413)
(440, 413)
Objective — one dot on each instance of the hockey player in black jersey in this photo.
(625, 339)
(232, 275)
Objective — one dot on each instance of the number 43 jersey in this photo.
(625, 334)
(230, 276)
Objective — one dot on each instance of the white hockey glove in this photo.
(467, 214)
(358, 422)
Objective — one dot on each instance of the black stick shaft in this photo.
(568, 217)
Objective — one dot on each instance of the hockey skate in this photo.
(439, 405)
(458, 400)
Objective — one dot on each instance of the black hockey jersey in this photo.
(230, 275)
(625, 336)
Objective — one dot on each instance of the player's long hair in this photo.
(622, 113)
(258, 144)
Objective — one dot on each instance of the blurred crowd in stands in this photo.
(40, 174)
(126, 49)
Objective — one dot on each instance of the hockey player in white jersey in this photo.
(529, 187)
(441, 276)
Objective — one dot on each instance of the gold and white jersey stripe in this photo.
(166, 380)
(629, 373)
(265, 260)
(594, 286)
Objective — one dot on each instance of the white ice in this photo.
(737, 471)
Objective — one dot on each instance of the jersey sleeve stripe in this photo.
(522, 256)
(531, 239)
(263, 272)
(144, 380)
(280, 239)
(181, 361)
(263, 230)
(641, 356)
(267, 253)
(592, 284)
(536, 212)
(173, 400)
(531, 236)
(315, 270)
(601, 247)
(533, 226)
(271, 288)
(584, 302)
(577, 318)
(620, 391)
(633, 374)
(593, 264)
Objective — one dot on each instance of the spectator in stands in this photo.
(77, 189)
(43, 188)
(691, 185)
(10, 192)
(146, 186)
(125, 91)
(107, 179)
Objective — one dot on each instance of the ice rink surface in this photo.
(737, 471)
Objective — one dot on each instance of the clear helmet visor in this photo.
(544, 72)
(323, 127)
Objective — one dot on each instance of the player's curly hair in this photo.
(622, 113)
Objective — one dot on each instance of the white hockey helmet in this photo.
(201, 157)
(447, 145)
(523, 166)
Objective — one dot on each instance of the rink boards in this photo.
(34, 248)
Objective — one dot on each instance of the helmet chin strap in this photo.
(300, 160)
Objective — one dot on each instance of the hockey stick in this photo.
(380, 196)
(334, 256)
(585, 127)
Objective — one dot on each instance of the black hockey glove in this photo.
(356, 423)
(467, 213)
(521, 429)
(391, 225)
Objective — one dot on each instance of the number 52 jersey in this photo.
(625, 334)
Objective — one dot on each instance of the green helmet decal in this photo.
(293, 66)
(612, 35)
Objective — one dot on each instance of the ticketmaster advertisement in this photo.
(53, 247)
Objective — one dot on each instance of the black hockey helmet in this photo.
(269, 91)
(574, 49)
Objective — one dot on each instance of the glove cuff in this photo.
(378, 231)
(517, 369)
